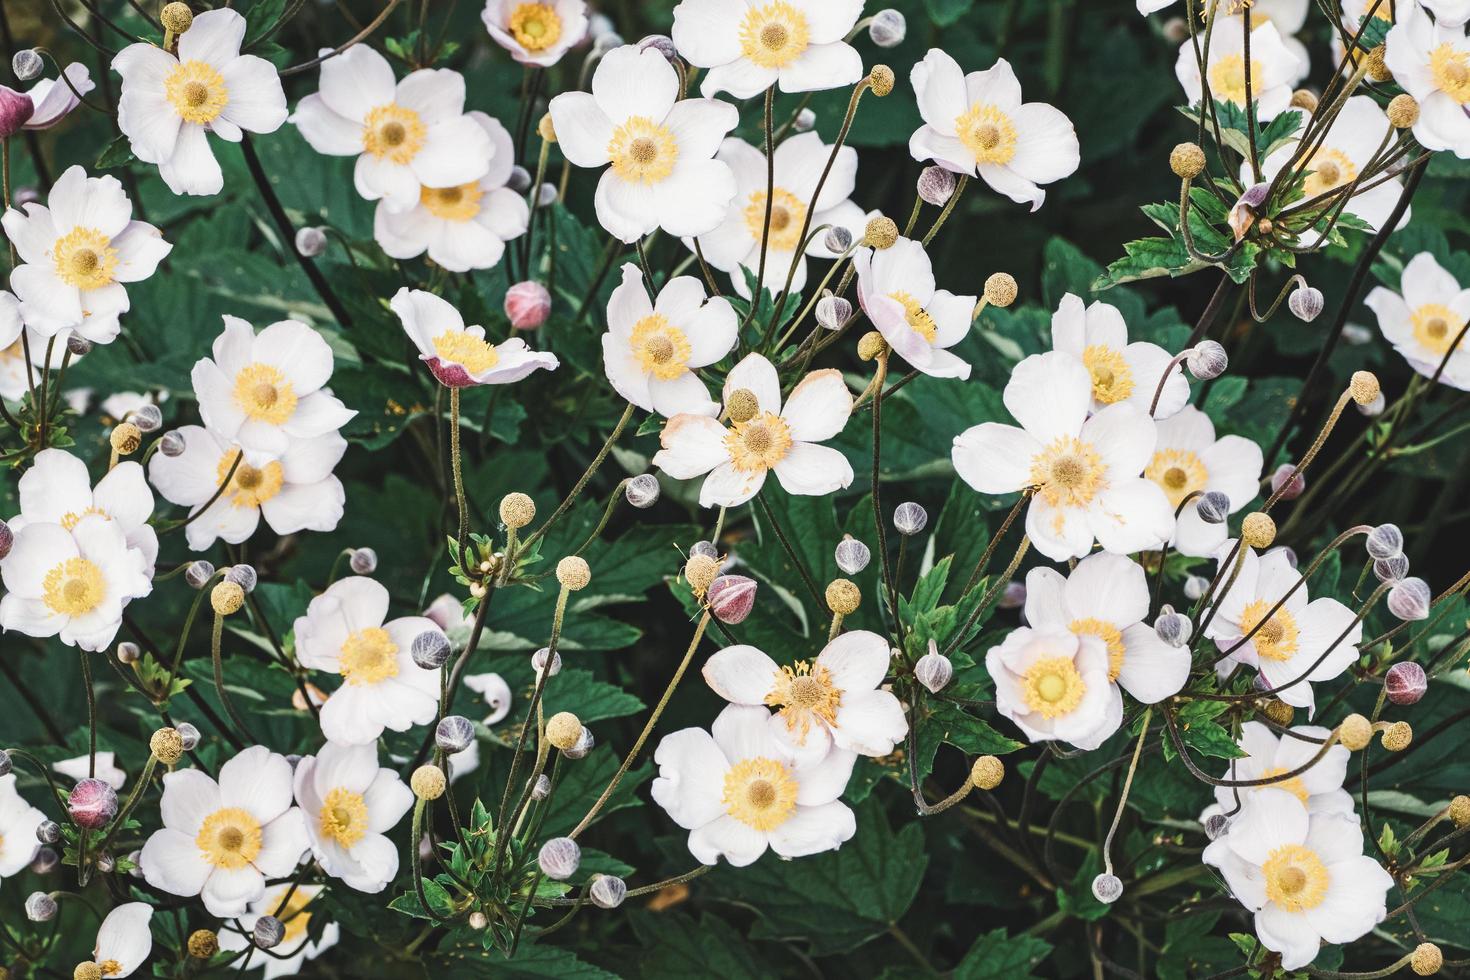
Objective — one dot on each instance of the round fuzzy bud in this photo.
(585, 743)
(1355, 732)
(705, 548)
(1213, 507)
(700, 572)
(1107, 888)
(7, 539)
(1195, 587)
(1216, 825)
(1374, 408)
(125, 439)
(427, 782)
(731, 598)
(244, 576)
(642, 491)
(881, 80)
(1187, 160)
(936, 186)
(92, 804)
(1403, 111)
(1001, 289)
(1426, 960)
(40, 907)
(147, 418)
(1013, 596)
(1409, 599)
(203, 943)
(661, 43)
(519, 180)
(559, 858)
(1174, 628)
(1175, 30)
(268, 932)
(888, 28)
(909, 518)
(806, 121)
(1305, 303)
(226, 598)
(1305, 99)
(573, 573)
(517, 510)
(310, 242)
(172, 444)
(1258, 530)
(843, 596)
(454, 733)
(6, 763)
(563, 729)
(546, 129)
(78, 345)
(27, 65)
(430, 649)
(1288, 482)
(1364, 387)
(1396, 737)
(871, 345)
(87, 971)
(48, 832)
(176, 17)
(1378, 70)
(46, 861)
(527, 304)
(987, 772)
(188, 736)
(1459, 811)
(608, 891)
(1207, 360)
(1385, 541)
(363, 561)
(539, 658)
(880, 233)
(1391, 569)
(541, 788)
(477, 921)
(852, 555)
(742, 405)
(933, 670)
(833, 312)
(167, 745)
(837, 240)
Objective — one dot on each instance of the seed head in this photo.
(1364, 387)
(454, 733)
(563, 729)
(936, 186)
(909, 518)
(843, 596)
(1288, 482)
(1396, 737)
(1385, 541)
(40, 907)
(27, 64)
(1278, 711)
(852, 555)
(310, 242)
(125, 438)
(731, 598)
(546, 129)
(1306, 303)
(1208, 360)
(92, 804)
(934, 670)
(1409, 599)
(517, 510)
(642, 491)
(888, 28)
(1426, 960)
(559, 858)
(128, 652)
(1305, 99)
(742, 405)
(430, 649)
(1377, 69)
(87, 971)
(172, 444)
(1001, 289)
(838, 239)
(428, 782)
(1459, 811)
(1355, 732)
(268, 932)
(1258, 530)
(1403, 111)
(167, 745)
(608, 891)
(573, 574)
(1187, 160)
(871, 345)
(881, 232)
(1213, 507)
(987, 772)
(541, 788)
(226, 598)
(203, 943)
(700, 572)
(176, 17)
(1107, 888)
(833, 312)
(881, 81)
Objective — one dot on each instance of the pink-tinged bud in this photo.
(1243, 214)
(528, 304)
(447, 612)
(1406, 683)
(92, 804)
(16, 109)
(1283, 477)
(731, 598)
(1014, 596)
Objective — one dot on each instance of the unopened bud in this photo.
(833, 312)
(7, 764)
(527, 305)
(1013, 596)
(936, 186)
(1391, 569)
(1213, 507)
(27, 65)
(172, 444)
(40, 907)
(661, 43)
(910, 518)
(1195, 587)
(559, 858)
(454, 733)
(78, 345)
(888, 28)
(1385, 541)
(147, 418)
(642, 491)
(1409, 599)
(838, 239)
(1288, 482)
(608, 891)
(843, 596)
(1174, 629)
(546, 195)
(268, 932)
(1405, 683)
(1216, 825)
(430, 649)
(188, 735)
(1107, 888)
(92, 804)
(363, 561)
(934, 670)
(1305, 303)
(310, 242)
(519, 180)
(1207, 360)
(198, 574)
(806, 121)
(852, 555)
(16, 109)
(48, 832)
(541, 788)
(1187, 160)
(731, 598)
(584, 744)
(987, 772)
(540, 658)
(7, 540)
(1374, 408)
(704, 548)
(244, 576)
(881, 80)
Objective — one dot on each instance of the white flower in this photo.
(652, 350)
(294, 950)
(18, 823)
(735, 246)
(465, 226)
(80, 768)
(72, 582)
(1424, 320)
(1287, 17)
(1121, 372)
(897, 292)
(835, 700)
(223, 840)
(798, 45)
(1285, 650)
(663, 174)
(536, 33)
(1267, 755)
(494, 691)
(1304, 876)
(13, 381)
(124, 940)
(1432, 63)
(169, 104)
(460, 356)
(738, 791)
(265, 390)
(1451, 13)
(343, 632)
(119, 405)
(294, 491)
(57, 490)
(349, 805)
(405, 135)
(737, 459)
(1273, 68)
(1106, 596)
(976, 123)
(1087, 469)
(77, 251)
(1053, 683)
(1188, 458)
(54, 99)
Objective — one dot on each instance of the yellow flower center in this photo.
(917, 317)
(344, 817)
(293, 916)
(788, 214)
(759, 443)
(661, 348)
(264, 394)
(1277, 637)
(452, 203)
(229, 839)
(1179, 472)
(1053, 687)
(760, 793)
(1451, 71)
(1227, 78)
(394, 132)
(251, 486)
(1330, 168)
(642, 151)
(1112, 378)
(1109, 634)
(474, 354)
(197, 92)
(1294, 785)
(368, 656)
(987, 133)
(774, 35)
(1069, 472)
(1296, 878)
(110, 968)
(803, 692)
(1436, 326)
(85, 258)
(535, 26)
(74, 588)
(71, 519)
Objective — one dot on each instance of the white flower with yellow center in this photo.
(460, 356)
(350, 805)
(124, 940)
(1432, 62)
(169, 104)
(1085, 471)
(1286, 17)
(534, 32)
(77, 252)
(737, 789)
(462, 227)
(1305, 876)
(1291, 641)
(1425, 318)
(1189, 459)
(344, 633)
(406, 135)
(103, 767)
(770, 437)
(1268, 755)
(833, 700)
(57, 490)
(660, 148)
(652, 349)
(1121, 372)
(977, 124)
(735, 246)
(897, 292)
(291, 904)
(1272, 70)
(295, 491)
(750, 45)
(18, 823)
(222, 840)
(1054, 684)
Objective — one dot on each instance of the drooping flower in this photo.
(897, 291)
(535, 32)
(1425, 318)
(495, 692)
(1268, 755)
(1121, 372)
(797, 45)
(1188, 458)
(1431, 60)
(57, 490)
(289, 903)
(81, 768)
(18, 823)
(1053, 683)
(460, 356)
(1272, 71)
(170, 104)
(54, 99)
(738, 791)
(124, 940)
(660, 148)
(350, 804)
(977, 124)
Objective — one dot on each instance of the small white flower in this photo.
(1267, 755)
(1432, 63)
(661, 149)
(1273, 69)
(294, 950)
(1188, 458)
(1304, 876)
(738, 458)
(350, 805)
(80, 768)
(54, 99)
(124, 940)
(977, 124)
(460, 356)
(897, 292)
(343, 632)
(223, 840)
(652, 350)
(738, 791)
(495, 692)
(118, 405)
(169, 104)
(1121, 372)
(797, 45)
(1053, 683)
(18, 823)
(77, 251)
(57, 490)
(536, 33)
(1424, 319)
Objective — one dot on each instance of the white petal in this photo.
(741, 674)
(691, 777)
(995, 458)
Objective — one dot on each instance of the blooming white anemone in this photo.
(169, 104)
(54, 99)
(897, 292)
(289, 903)
(222, 840)
(1121, 372)
(797, 45)
(660, 148)
(833, 700)
(652, 349)
(57, 490)
(349, 805)
(738, 458)
(1425, 318)
(1303, 875)
(124, 940)
(1188, 458)
(738, 791)
(1086, 470)
(536, 33)
(735, 246)
(82, 767)
(76, 253)
(1432, 62)
(1267, 755)
(343, 632)
(977, 124)
(460, 356)
(1273, 68)
(1054, 684)
(18, 823)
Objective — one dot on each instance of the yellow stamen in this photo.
(264, 394)
(988, 133)
(474, 354)
(1277, 639)
(1294, 785)
(394, 132)
(916, 316)
(642, 151)
(1330, 168)
(1109, 634)
(197, 92)
(251, 486)
(230, 838)
(1112, 378)
(1053, 687)
(535, 26)
(71, 519)
(759, 443)
(1227, 78)
(1451, 71)
(661, 348)
(452, 203)
(344, 817)
(368, 657)
(788, 214)
(1179, 472)
(1069, 472)
(74, 588)
(774, 35)
(85, 258)
(803, 692)
(1436, 326)
(1296, 878)
(760, 793)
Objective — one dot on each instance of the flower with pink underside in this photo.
(460, 356)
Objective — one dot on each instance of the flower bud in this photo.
(172, 444)
(541, 788)
(517, 510)
(1409, 599)
(527, 304)
(584, 745)
(45, 861)
(27, 65)
(642, 491)
(1287, 477)
(78, 345)
(705, 548)
(833, 312)
(1001, 289)
(428, 782)
(16, 109)
(806, 121)
(539, 658)
(125, 438)
(843, 596)
(519, 180)
(573, 573)
(1013, 596)
(454, 733)
(1391, 569)
(1355, 732)
(268, 932)
(731, 598)
(167, 745)
(188, 735)
(1175, 30)
(198, 574)
(1195, 587)
(310, 242)
(92, 804)
(226, 598)
(1243, 214)
(1305, 303)
(1174, 629)
(838, 239)
(852, 555)
(1396, 737)
(563, 729)
(934, 670)
(546, 194)
(244, 576)
(1187, 160)
(7, 540)
(1374, 408)
(40, 907)
(910, 518)
(881, 80)
(936, 186)
(477, 921)
(1257, 530)
(1107, 888)
(1304, 99)
(48, 832)
(1426, 960)
(1216, 825)
(888, 28)
(1213, 507)
(559, 858)
(881, 232)
(203, 943)
(608, 891)
(1385, 541)
(1207, 360)
(700, 572)
(147, 418)
(430, 649)
(661, 43)
(105, 863)
(987, 772)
